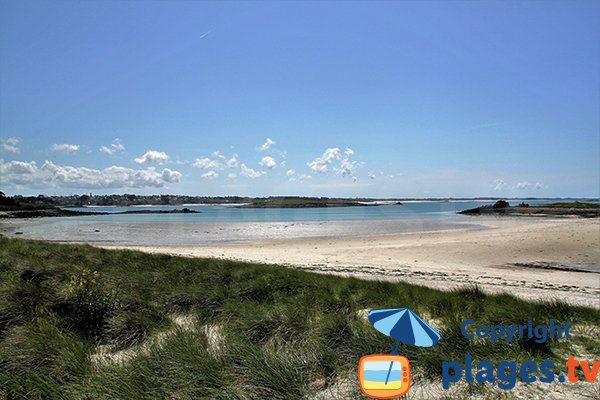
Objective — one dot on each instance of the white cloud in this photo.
(152, 157)
(233, 161)
(53, 175)
(219, 155)
(293, 176)
(207, 163)
(216, 164)
(9, 145)
(268, 162)
(526, 186)
(17, 167)
(171, 176)
(115, 147)
(266, 145)
(333, 159)
(499, 185)
(64, 148)
(210, 175)
(232, 175)
(249, 172)
(320, 164)
(346, 167)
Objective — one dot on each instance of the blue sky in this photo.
(390, 99)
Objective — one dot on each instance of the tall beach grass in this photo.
(185, 328)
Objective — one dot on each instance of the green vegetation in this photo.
(42, 201)
(304, 202)
(10, 204)
(164, 199)
(37, 211)
(125, 200)
(182, 328)
(561, 209)
(25, 207)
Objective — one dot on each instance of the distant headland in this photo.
(125, 200)
(59, 206)
(502, 207)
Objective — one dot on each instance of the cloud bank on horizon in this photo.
(398, 99)
(334, 167)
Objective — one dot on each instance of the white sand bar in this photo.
(528, 257)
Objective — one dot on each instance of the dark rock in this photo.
(471, 211)
(175, 211)
(501, 204)
(557, 210)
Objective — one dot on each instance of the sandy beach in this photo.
(533, 258)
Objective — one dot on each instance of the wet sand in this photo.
(139, 230)
(539, 258)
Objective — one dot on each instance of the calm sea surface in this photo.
(218, 224)
(227, 213)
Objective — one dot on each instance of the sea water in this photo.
(219, 224)
(229, 213)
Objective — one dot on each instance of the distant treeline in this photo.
(120, 200)
(163, 199)
(77, 200)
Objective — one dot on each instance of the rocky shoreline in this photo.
(59, 212)
(502, 208)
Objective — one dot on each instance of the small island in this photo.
(312, 202)
(503, 208)
(174, 211)
(29, 211)
(57, 206)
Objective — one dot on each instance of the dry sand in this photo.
(527, 257)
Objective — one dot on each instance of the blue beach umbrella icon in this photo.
(404, 326)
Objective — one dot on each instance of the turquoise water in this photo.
(226, 213)
(227, 224)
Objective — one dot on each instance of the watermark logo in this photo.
(507, 373)
(385, 376)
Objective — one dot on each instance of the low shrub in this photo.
(89, 305)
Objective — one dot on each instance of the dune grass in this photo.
(277, 333)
